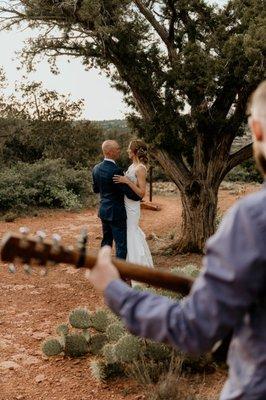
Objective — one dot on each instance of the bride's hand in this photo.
(120, 179)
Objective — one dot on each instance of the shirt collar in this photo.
(109, 159)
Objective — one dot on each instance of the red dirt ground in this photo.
(31, 308)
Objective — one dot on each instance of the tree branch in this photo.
(238, 157)
(176, 169)
(162, 32)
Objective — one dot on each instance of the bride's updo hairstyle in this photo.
(140, 149)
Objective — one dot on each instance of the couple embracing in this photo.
(120, 196)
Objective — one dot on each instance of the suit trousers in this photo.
(115, 231)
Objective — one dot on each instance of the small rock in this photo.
(9, 365)
(30, 360)
(39, 335)
(39, 378)
(3, 344)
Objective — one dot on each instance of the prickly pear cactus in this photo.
(100, 320)
(115, 331)
(108, 352)
(97, 342)
(101, 370)
(80, 318)
(75, 345)
(62, 329)
(86, 335)
(52, 347)
(127, 348)
(157, 351)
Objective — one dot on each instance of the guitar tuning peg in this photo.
(41, 235)
(56, 238)
(24, 230)
(56, 243)
(12, 268)
(27, 268)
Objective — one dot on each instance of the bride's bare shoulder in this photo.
(141, 167)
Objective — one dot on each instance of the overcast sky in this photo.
(101, 101)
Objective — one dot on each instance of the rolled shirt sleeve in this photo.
(232, 277)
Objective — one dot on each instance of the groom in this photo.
(112, 210)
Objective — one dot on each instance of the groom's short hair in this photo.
(108, 146)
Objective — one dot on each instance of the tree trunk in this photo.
(199, 203)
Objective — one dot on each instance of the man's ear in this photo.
(257, 130)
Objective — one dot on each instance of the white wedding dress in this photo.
(138, 251)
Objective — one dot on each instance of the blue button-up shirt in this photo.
(229, 295)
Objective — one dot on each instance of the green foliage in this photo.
(115, 331)
(80, 318)
(102, 371)
(100, 320)
(145, 370)
(97, 342)
(127, 348)
(52, 347)
(246, 172)
(120, 353)
(168, 388)
(41, 124)
(189, 270)
(157, 351)
(75, 345)
(108, 352)
(62, 329)
(29, 141)
(46, 184)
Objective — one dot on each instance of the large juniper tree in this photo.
(186, 67)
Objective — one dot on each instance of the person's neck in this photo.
(135, 161)
(109, 158)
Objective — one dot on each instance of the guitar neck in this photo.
(151, 276)
(31, 251)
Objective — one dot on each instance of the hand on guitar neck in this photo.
(104, 270)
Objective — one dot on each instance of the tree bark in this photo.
(199, 205)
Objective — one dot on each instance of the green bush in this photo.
(246, 172)
(47, 184)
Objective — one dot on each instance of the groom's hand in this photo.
(104, 270)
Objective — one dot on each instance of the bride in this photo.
(137, 248)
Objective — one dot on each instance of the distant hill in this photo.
(113, 125)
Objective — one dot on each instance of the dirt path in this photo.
(31, 307)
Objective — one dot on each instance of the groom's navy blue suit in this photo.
(112, 209)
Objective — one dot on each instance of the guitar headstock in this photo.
(21, 248)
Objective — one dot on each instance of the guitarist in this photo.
(229, 295)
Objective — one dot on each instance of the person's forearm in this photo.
(140, 192)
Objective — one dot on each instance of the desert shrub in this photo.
(46, 184)
(246, 172)
(169, 388)
(29, 141)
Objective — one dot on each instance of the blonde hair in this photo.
(140, 150)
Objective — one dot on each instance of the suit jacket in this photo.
(112, 206)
